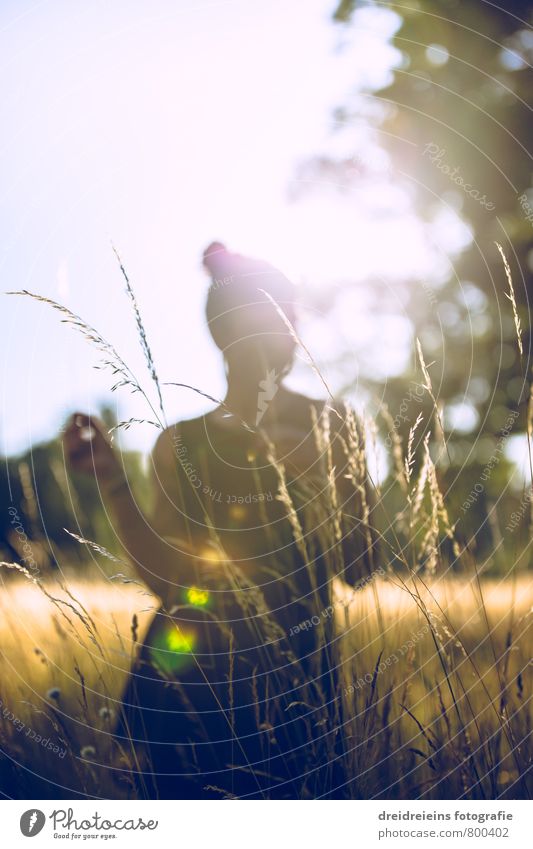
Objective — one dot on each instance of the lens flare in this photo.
(211, 555)
(179, 642)
(196, 597)
(173, 648)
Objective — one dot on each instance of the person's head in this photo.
(244, 323)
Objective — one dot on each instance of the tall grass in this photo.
(447, 717)
(433, 696)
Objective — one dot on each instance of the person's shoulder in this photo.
(189, 427)
(176, 436)
(344, 421)
(295, 401)
(308, 406)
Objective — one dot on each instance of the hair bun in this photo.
(214, 258)
(250, 280)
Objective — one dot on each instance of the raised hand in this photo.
(88, 449)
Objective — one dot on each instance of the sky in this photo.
(158, 127)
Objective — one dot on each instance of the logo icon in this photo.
(267, 390)
(32, 822)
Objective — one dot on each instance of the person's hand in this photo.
(88, 449)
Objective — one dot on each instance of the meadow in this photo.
(434, 693)
(436, 687)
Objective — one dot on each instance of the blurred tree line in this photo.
(40, 500)
(454, 123)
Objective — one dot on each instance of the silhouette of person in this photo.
(236, 686)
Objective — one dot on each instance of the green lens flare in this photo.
(172, 650)
(179, 642)
(196, 597)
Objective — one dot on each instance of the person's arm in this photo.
(153, 544)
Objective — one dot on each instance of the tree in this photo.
(453, 122)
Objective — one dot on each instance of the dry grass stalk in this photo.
(511, 296)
